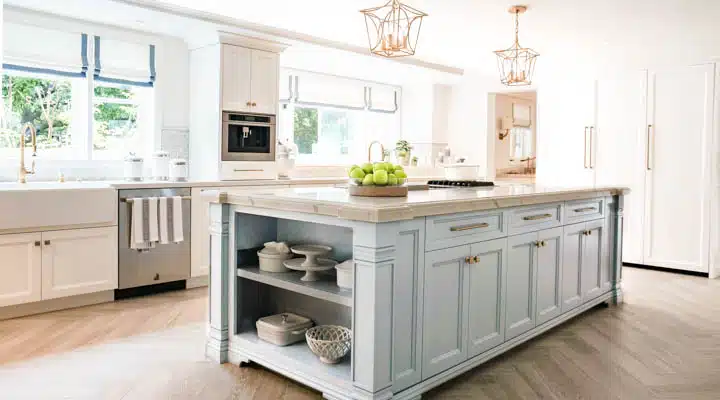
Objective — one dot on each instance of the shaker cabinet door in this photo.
(549, 275)
(593, 259)
(236, 75)
(444, 306)
(486, 297)
(571, 266)
(264, 83)
(520, 285)
(20, 268)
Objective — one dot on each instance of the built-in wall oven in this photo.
(248, 137)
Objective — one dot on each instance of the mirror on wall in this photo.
(515, 144)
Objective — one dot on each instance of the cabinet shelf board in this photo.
(297, 359)
(324, 289)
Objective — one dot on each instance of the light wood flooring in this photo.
(663, 343)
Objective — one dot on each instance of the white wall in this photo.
(171, 92)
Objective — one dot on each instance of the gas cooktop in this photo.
(449, 184)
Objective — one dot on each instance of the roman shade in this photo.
(382, 98)
(124, 62)
(326, 90)
(42, 50)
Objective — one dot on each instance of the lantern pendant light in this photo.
(393, 29)
(517, 63)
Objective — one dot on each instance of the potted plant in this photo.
(402, 152)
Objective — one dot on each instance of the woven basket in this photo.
(329, 342)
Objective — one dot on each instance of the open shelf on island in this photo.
(325, 289)
(296, 360)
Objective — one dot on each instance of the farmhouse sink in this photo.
(56, 205)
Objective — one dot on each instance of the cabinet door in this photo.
(407, 305)
(79, 261)
(486, 298)
(619, 156)
(264, 84)
(563, 133)
(573, 236)
(445, 310)
(677, 197)
(593, 259)
(549, 275)
(19, 268)
(520, 285)
(236, 75)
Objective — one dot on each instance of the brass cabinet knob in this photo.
(254, 104)
(47, 243)
(37, 243)
(248, 104)
(468, 260)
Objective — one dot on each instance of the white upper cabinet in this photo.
(249, 80)
(264, 83)
(677, 142)
(20, 268)
(79, 261)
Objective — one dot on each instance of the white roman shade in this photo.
(383, 98)
(37, 49)
(123, 62)
(325, 90)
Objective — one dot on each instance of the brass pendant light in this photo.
(393, 29)
(517, 63)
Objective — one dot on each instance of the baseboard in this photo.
(148, 290)
(41, 307)
(663, 269)
(197, 281)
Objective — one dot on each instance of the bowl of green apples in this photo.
(380, 179)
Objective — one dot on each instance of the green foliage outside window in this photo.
(305, 129)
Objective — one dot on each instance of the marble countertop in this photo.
(338, 203)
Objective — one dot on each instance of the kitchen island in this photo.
(444, 279)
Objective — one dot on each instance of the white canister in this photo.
(161, 166)
(133, 167)
(178, 170)
(345, 274)
(272, 260)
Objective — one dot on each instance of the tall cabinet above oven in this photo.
(233, 104)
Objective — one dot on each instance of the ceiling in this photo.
(459, 33)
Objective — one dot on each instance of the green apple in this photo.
(368, 180)
(367, 168)
(392, 180)
(380, 167)
(357, 173)
(399, 167)
(380, 177)
(390, 168)
(400, 174)
(352, 167)
(401, 181)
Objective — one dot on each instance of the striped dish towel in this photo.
(171, 220)
(144, 223)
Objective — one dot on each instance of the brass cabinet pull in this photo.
(540, 243)
(37, 243)
(590, 157)
(584, 209)
(585, 164)
(469, 260)
(469, 227)
(537, 217)
(587, 233)
(647, 149)
(47, 243)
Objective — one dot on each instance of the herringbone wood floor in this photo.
(663, 343)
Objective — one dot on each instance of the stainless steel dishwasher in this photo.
(161, 264)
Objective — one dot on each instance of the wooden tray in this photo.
(378, 191)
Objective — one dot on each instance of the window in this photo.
(331, 127)
(78, 115)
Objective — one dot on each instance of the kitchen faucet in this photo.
(33, 134)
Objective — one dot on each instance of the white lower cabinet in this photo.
(20, 268)
(78, 261)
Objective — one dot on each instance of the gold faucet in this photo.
(33, 134)
(382, 150)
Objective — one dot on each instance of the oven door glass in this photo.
(248, 138)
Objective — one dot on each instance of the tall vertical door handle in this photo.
(585, 164)
(647, 149)
(591, 161)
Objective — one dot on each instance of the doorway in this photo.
(513, 148)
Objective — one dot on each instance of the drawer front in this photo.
(459, 229)
(584, 210)
(535, 218)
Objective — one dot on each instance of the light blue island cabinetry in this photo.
(444, 280)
